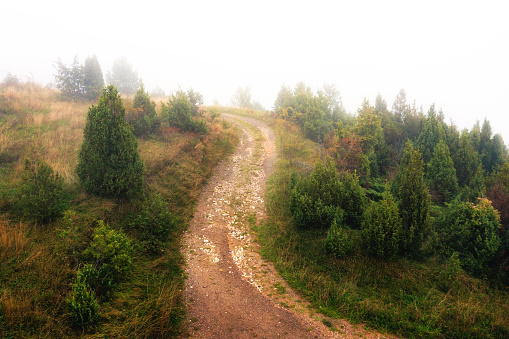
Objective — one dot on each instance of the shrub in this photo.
(110, 255)
(82, 304)
(109, 163)
(178, 112)
(338, 242)
(382, 232)
(142, 116)
(471, 230)
(316, 201)
(41, 194)
(155, 223)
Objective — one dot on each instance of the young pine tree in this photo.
(142, 116)
(441, 174)
(109, 163)
(414, 199)
(93, 78)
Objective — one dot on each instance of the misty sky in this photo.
(452, 53)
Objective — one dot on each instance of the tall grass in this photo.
(408, 298)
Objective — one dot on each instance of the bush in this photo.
(109, 163)
(382, 232)
(155, 223)
(41, 195)
(82, 303)
(471, 230)
(110, 257)
(338, 242)
(316, 201)
(178, 112)
(142, 116)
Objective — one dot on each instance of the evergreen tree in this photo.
(414, 199)
(400, 107)
(142, 116)
(441, 174)
(70, 80)
(431, 134)
(123, 77)
(109, 163)
(468, 168)
(382, 232)
(93, 80)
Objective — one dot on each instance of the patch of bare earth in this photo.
(231, 292)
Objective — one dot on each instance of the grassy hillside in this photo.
(38, 263)
(426, 298)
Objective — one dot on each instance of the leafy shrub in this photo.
(382, 232)
(110, 256)
(316, 201)
(109, 163)
(82, 304)
(338, 242)
(471, 230)
(155, 223)
(179, 111)
(41, 195)
(142, 116)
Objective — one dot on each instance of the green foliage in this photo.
(414, 199)
(313, 113)
(471, 230)
(93, 80)
(41, 195)
(109, 163)
(382, 232)
(142, 117)
(196, 99)
(431, 135)
(80, 81)
(339, 243)
(441, 174)
(316, 201)
(123, 77)
(110, 257)
(70, 80)
(155, 223)
(178, 112)
(82, 303)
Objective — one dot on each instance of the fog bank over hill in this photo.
(451, 54)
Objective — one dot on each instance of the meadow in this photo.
(39, 262)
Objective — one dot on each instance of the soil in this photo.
(231, 291)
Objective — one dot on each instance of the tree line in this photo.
(398, 182)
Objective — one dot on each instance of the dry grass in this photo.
(13, 240)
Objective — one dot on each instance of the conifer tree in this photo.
(414, 199)
(143, 116)
(441, 174)
(382, 233)
(109, 163)
(93, 78)
(431, 134)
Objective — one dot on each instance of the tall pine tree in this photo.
(109, 163)
(93, 78)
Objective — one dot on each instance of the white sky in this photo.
(452, 53)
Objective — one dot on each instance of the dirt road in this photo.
(231, 292)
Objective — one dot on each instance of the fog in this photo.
(454, 54)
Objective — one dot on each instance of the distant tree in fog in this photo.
(123, 77)
(93, 78)
(242, 98)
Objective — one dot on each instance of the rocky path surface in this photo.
(231, 292)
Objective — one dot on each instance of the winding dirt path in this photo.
(231, 292)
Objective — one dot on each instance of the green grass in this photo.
(409, 298)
